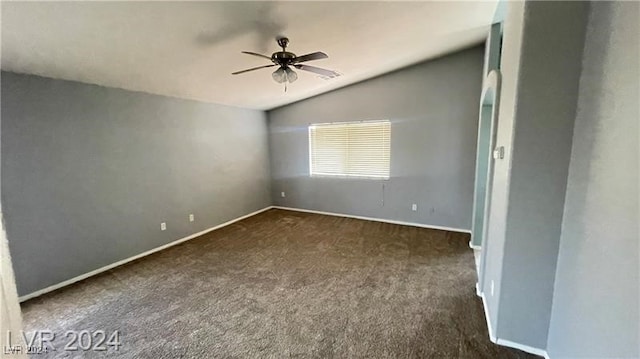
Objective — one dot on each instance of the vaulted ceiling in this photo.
(190, 49)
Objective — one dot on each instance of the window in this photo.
(350, 149)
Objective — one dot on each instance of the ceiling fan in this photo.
(285, 60)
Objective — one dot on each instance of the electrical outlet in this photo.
(191, 218)
(163, 226)
(492, 287)
(414, 207)
(282, 194)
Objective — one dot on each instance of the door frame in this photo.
(492, 88)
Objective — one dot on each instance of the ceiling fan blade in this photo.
(253, 68)
(309, 57)
(256, 54)
(317, 70)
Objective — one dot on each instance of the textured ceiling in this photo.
(189, 49)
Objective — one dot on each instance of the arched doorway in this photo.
(487, 131)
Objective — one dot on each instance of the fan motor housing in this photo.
(283, 57)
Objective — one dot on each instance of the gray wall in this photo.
(88, 173)
(493, 246)
(433, 108)
(545, 112)
(543, 50)
(595, 305)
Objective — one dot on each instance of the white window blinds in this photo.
(351, 149)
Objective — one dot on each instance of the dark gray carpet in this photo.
(285, 284)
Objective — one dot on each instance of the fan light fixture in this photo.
(291, 75)
(284, 74)
(279, 75)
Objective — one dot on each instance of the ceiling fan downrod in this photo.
(283, 42)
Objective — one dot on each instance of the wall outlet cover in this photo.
(163, 226)
(282, 194)
(191, 218)
(414, 207)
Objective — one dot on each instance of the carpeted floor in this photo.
(284, 284)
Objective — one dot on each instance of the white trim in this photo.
(526, 348)
(143, 254)
(374, 168)
(476, 260)
(477, 248)
(349, 122)
(348, 176)
(375, 219)
(492, 336)
(9, 305)
(503, 342)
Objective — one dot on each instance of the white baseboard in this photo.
(375, 219)
(526, 348)
(503, 342)
(474, 246)
(492, 336)
(143, 254)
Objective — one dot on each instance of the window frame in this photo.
(346, 175)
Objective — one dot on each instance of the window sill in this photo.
(370, 178)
